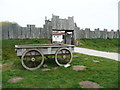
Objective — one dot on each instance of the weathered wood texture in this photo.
(62, 24)
(87, 33)
(29, 32)
(13, 31)
(45, 48)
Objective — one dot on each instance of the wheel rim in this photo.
(63, 56)
(32, 59)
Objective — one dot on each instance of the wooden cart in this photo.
(32, 56)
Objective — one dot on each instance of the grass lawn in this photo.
(109, 45)
(105, 72)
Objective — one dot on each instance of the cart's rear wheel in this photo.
(63, 56)
(32, 59)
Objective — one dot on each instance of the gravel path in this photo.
(109, 55)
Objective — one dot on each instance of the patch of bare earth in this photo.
(45, 69)
(96, 61)
(45, 65)
(12, 70)
(6, 64)
(15, 79)
(55, 68)
(89, 84)
(78, 67)
(86, 58)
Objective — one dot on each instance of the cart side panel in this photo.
(44, 50)
(48, 50)
(20, 51)
(71, 48)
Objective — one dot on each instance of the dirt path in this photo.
(109, 55)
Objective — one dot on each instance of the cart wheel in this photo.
(63, 56)
(32, 59)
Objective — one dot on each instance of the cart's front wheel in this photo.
(32, 59)
(63, 56)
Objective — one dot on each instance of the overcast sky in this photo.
(87, 13)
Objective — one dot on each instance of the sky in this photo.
(91, 14)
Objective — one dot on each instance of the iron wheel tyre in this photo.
(32, 59)
(63, 56)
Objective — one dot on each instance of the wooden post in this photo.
(65, 36)
(73, 38)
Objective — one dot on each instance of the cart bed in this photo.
(46, 49)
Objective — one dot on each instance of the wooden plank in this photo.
(43, 45)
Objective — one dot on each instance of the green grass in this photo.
(105, 73)
(109, 45)
(8, 46)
